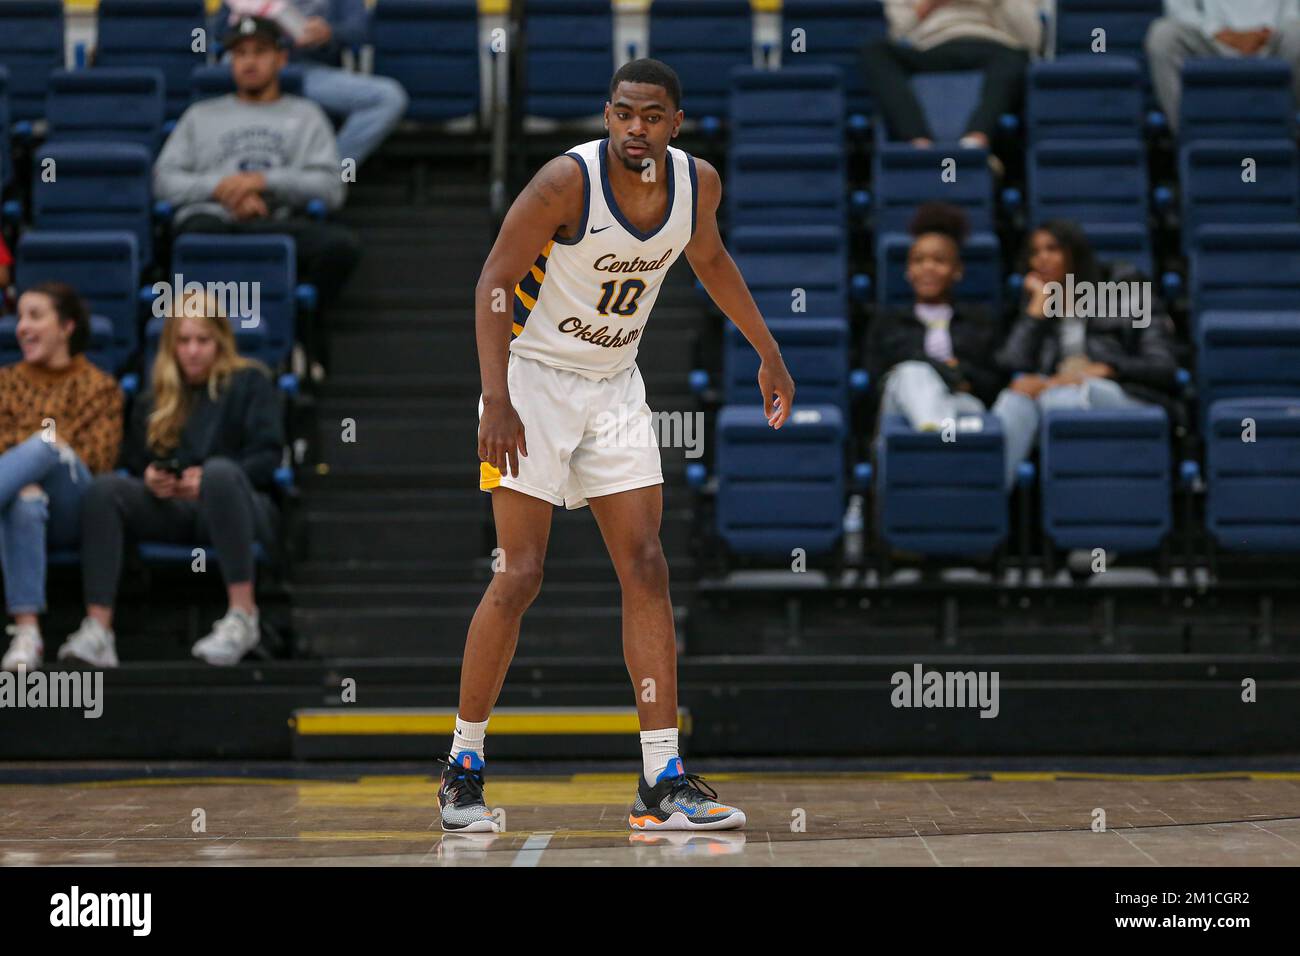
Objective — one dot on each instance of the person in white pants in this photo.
(1231, 28)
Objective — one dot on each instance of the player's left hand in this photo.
(777, 388)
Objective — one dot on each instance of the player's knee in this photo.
(518, 583)
(645, 567)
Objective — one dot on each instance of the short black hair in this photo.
(943, 218)
(647, 70)
(69, 307)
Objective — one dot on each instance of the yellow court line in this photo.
(185, 781)
(1009, 776)
(330, 836)
(325, 723)
(485, 7)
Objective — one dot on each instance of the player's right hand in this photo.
(777, 388)
(501, 438)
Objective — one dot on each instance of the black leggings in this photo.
(327, 252)
(889, 66)
(228, 514)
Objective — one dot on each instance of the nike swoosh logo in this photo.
(594, 230)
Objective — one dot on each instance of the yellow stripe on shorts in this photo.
(488, 476)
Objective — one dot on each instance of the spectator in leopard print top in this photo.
(60, 423)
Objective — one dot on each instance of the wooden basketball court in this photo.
(109, 815)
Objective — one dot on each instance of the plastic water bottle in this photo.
(853, 545)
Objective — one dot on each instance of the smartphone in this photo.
(172, 465)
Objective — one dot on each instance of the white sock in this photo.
(658, 748)
(468, 736)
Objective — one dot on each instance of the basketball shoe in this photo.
(681, 801)
(461, 795)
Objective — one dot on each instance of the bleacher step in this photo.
(439, 631)
(443, 535)
(394, 733)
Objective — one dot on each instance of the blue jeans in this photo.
(369, 105)
(918, 392)
(28, 522)
(1021, 414)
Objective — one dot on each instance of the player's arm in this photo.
(718, 274)
(553, 199)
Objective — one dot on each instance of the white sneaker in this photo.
(231, 638)
(26, 650)
(91, 644)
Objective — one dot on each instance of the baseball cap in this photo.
(252, 26)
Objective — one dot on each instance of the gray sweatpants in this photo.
(1171, 41)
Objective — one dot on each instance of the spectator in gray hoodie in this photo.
(251, 161)
(370, 106)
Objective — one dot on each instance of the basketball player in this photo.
(584, 250)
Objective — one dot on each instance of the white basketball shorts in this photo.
(585, 437)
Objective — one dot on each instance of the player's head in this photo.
(1058, 247)
(934, 260)
(257, 55)
(643, 112)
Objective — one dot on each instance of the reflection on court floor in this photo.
(796, 819)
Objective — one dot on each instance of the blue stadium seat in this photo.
(96, 186)
(1245, 268)
(1252, 500)
(104, 267)
(981, 280)
(216, 80)
(569, 56)
(1125, 22)
(904, 177)
(778, 260)
(1213, 191)
(1247, 355)
(799, 184)
(266, 260)
(835, 32)
(431, 47)
(780, 490)
(6, 159)
(1101, 185)
(947, 99)
(816, 351)
(108, 105)
(1084, 97)
(1114, 242)
(1236, 98)
(250, 342)
(157, 552)
(797, 105)
(703, 40)
(99, 347)
(938, 498)
(1106, 478)
(31, 45)
(153, 33)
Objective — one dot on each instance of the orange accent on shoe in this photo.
(639, 821)
(717, 810)
(465, 763)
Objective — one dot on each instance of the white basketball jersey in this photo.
(584, 304)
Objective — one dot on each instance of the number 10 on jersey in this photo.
(624, 296)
